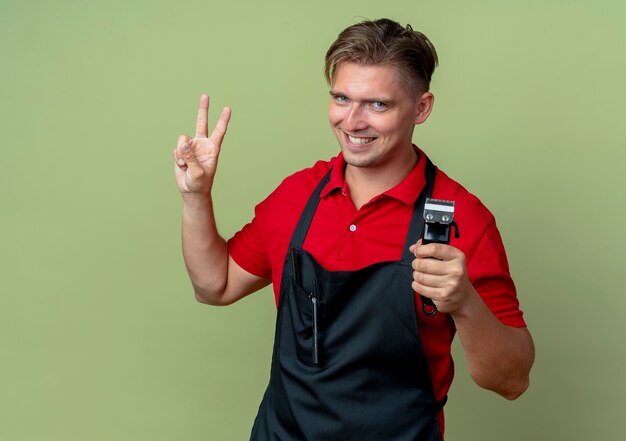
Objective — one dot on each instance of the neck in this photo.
(366, 183)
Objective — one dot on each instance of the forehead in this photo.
(368, 81)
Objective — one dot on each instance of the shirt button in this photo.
(352, 227)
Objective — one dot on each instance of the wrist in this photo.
(193, 201)
(196, 190)
(470, 307)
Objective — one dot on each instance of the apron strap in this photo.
(302, 228)
(417, 219)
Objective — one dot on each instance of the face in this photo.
(373, 116)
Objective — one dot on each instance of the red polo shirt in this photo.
(342, 238)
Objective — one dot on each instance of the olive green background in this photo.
(100, 335)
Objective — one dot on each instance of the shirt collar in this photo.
(407, 191)
(336, 181)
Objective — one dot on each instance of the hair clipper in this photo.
(438, 221)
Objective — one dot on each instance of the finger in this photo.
(429, 280)
(415, 245)
(180, 162)
(430, 266)
(183, 139)
(437, 250)
(202, 122)
(422, 251)
(222, 125)
(191, 161)
(426, 291)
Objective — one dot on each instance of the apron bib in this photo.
(348, 363)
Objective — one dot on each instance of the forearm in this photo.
(499, 357)
(204, 250)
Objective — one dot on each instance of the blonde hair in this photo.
(385, 42)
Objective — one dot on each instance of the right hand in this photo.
(196, 159)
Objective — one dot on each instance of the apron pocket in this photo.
(301, 334)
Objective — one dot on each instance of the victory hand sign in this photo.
(196, 159)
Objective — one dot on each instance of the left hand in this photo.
(196, 159)
(440, 273)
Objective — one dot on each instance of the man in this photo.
(355, 355)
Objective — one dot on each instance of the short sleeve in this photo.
(248, 249)
(488, 270)
(261, 245)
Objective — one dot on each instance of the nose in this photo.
(355, 118)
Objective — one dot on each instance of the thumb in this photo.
(413, 247)
(189, 156)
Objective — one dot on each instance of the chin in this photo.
(356, 160)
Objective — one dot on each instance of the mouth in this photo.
(359, 140)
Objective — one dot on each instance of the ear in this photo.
(424, 107)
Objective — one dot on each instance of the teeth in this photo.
(354, 140)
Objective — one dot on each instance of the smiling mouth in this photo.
(359, 140)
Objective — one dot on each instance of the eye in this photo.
(379, 105)
(341, 98)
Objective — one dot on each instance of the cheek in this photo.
(335, 114)
(391, 126)
(381, 125)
